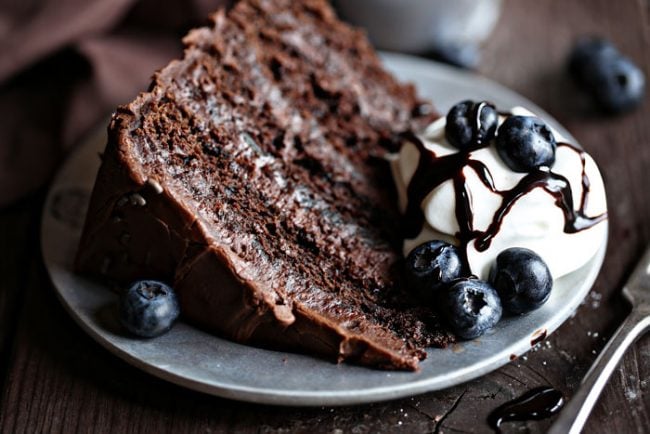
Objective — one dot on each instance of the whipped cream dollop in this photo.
(480, 204)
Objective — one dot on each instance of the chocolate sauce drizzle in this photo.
(432, 171)
(535, 404)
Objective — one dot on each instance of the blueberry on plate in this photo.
(522, 280)
(431, 266)
(148, 308)
(613, 80)
(471, 307)
(525, 143)
(471, 124)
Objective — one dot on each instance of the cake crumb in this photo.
(630, 395)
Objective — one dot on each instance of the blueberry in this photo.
(148, 308)
(471, 124)
(525, 143)
(618, 85)
(431, 266)
(614, 81)
(522, 280)
(465, 56)
(470, 307)
(585, 52)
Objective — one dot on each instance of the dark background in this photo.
(63, 67)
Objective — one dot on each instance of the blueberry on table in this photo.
(587, 51)
(619, 85)
(148, 308)
(614, 81)
(522, 280)
(525, 143)
(471, 124)
(431, 266)
(471, 307)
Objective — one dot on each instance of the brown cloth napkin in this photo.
(66, 64)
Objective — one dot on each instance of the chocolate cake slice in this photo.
(251, 176)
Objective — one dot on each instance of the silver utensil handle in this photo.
(574, 415)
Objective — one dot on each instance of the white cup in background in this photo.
(418, 25)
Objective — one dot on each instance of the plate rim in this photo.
(334, 397)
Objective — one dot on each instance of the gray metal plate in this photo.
(197, 360)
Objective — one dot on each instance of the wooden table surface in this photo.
(56, 378)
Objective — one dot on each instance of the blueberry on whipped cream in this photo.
(471, 124)
(472, 198)
(526, 143)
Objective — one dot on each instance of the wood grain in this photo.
(18, 239)
(56, 379)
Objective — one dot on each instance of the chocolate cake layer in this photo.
(251, 176)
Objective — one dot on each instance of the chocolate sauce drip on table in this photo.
(535, 404)
(432, 171)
